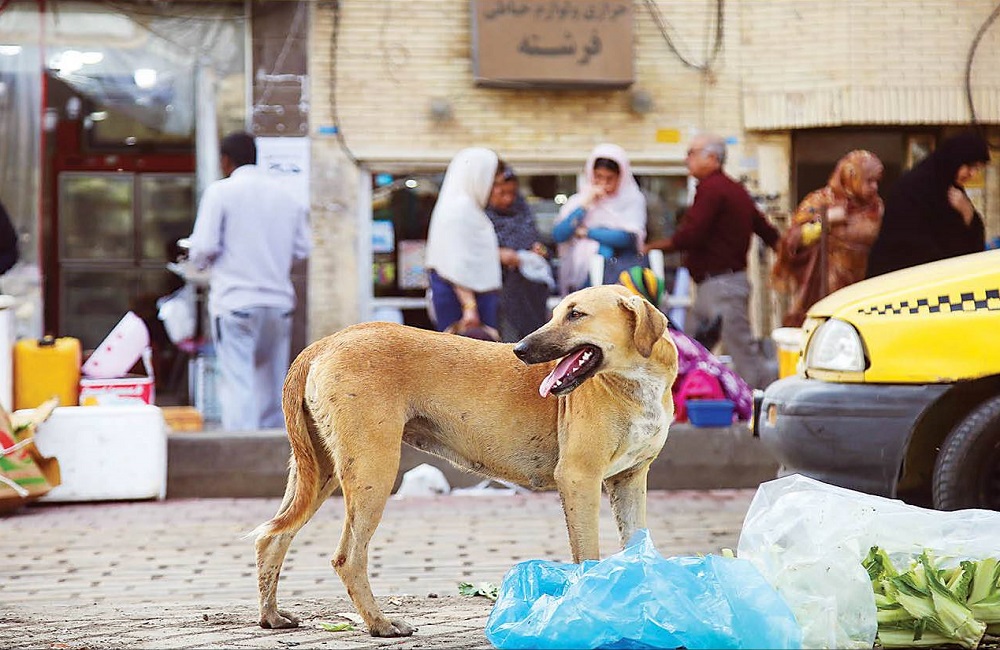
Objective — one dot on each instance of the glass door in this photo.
(116, 233)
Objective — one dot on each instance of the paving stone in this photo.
(174, 574)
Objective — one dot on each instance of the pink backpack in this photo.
(697, 384)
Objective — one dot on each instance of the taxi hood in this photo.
(929, 288)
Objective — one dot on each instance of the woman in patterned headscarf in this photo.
(524, 294)
(852, 211)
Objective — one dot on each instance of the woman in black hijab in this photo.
(928, 215)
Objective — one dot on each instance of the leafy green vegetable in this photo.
(484, 589)
(928, 605)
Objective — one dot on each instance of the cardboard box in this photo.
(183, 418)
(130, 389)
(25, 474)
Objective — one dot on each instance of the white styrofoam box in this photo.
(106, 452)
(7, 304)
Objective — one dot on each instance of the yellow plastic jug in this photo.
(44, 368)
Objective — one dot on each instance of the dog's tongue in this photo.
(560, 371)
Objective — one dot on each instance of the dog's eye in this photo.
(574, 314)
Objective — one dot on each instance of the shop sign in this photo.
(552, 43)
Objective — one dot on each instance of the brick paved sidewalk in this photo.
(176, 574)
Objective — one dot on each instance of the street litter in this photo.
(639, 599)
(335, 627)
(484, 589)
(352, 617)
(811, 540)
(423, 481)
(490, 487)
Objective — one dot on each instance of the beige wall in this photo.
(395, 56)
(785, 64)
(808, 64)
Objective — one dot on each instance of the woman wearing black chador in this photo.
(928, 215)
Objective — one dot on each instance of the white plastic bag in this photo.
(423, 481)
(177, 311)
(808, 539)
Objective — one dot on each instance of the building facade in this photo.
(366, 102)
(791, 85)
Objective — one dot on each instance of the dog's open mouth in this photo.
(571, 371)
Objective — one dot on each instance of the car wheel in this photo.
(967, 470)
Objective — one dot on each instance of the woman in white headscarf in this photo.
(607, 216)
(463, 257)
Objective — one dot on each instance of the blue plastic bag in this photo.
(639, 599)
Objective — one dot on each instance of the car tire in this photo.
(967, 470)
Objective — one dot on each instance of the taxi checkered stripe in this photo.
(988, 301)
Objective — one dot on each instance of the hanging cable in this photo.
(969, 59)
(334, 39)
(662, 24)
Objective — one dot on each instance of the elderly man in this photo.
(715, 236)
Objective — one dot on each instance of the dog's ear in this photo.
(648, 323)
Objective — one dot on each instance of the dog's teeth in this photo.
(587, 355)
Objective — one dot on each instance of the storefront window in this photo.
(134, 73)
(401, 212)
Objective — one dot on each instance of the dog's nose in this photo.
(521, 350)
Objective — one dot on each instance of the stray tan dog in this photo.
(352, 398)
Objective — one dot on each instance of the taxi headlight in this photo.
(835, 345)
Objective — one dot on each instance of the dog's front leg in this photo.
(578, 479)
(627, 493)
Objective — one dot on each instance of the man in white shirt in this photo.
(248, 232)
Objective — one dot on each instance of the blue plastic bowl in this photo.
(710, 412)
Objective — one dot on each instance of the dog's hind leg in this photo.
(367, 465)
(271, 550)
(627, 494)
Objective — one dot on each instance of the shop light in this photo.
(411, 183)
(10, 50)
(70, 61)
(560, 199)
(144, 77)
(98, 116)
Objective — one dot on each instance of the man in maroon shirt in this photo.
(715, 236)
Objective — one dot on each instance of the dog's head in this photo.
(599, 329)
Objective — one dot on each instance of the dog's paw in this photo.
(392, 627)
(278, 620)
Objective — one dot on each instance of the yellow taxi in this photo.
(897, 388)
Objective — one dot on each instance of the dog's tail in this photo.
(303, 465)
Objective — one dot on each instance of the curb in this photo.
(255, 463)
